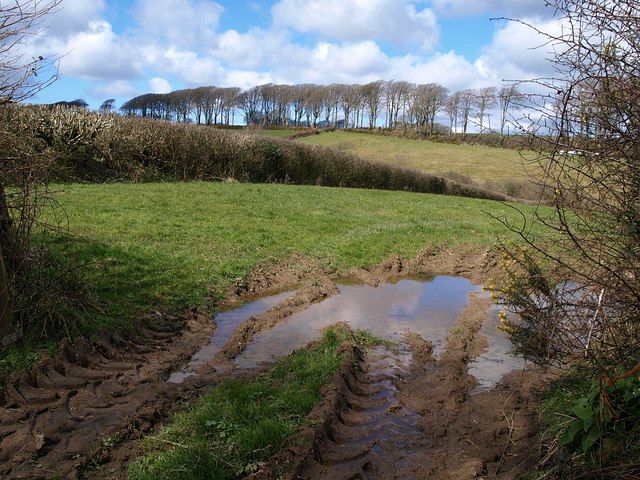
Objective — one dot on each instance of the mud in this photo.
(388, 415)
(369, 425)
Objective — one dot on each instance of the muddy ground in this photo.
(387, 414)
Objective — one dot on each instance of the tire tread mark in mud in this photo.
(53, 414)
(367, 423)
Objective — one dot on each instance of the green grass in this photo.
(171, 243)
(578, 405)
(242, 422)
(480, 163)
(270, 132)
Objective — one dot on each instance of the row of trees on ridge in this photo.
(390, 103)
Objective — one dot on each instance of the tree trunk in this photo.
(7, 238)
(6, 318)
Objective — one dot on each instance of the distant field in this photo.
(269, 132)
(478, 162)
(170, 243)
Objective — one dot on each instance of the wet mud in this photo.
(369, 425)
(407, 413)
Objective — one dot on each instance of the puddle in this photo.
(429, 308)
(496, 361)
(426, 306)
(226, 323)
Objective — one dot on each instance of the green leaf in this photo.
(582, 410)
(592, 436)
(587, 423)
(570, 434)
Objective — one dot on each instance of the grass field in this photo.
(174, 244)
(170, 243)
(477, 162)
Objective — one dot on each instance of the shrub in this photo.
(137, 149)
(37, 145)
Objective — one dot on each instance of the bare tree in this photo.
(249, 103)
(6, 315)
(331, 102)
(508, 97)
(229, 102)
(20, 78)
(108, 106)
(467, 101)
(180, 104)
(485, 100)
(452, 107)
(576, 288)
(428, 100)
(396, 95)
(314, 105)
(372, 97)
(590, 150)
(348, 103)
(77, 103)
(299, 96)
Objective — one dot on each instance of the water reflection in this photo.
(428, 308)
(226, 323)
(496, 361)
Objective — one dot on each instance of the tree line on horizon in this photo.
(402, 103)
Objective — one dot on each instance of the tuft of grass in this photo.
(241, 423)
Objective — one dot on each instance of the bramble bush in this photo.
(576, 296)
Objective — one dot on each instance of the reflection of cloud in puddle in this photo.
(429, 309)
(226, 323)
(496, 361)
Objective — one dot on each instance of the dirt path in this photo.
(81, 415)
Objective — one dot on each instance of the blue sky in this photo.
(123, 48)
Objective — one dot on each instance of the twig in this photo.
(173, 444)
(510, 427)
(468, 440)
(592, 323)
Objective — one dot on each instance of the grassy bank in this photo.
(499, 169)
(84, 146)
(241, 423)
(475, 161)
(171, 243)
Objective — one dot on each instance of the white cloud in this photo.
(160, 85)
(518, 52)
(510, 8)
(72, 16)
(394, 21)
(246, 79)
(343, 63)
(256, 49)
(448, 69)
(180, 22)
(97, 54)
(193, 69)
(117, 88)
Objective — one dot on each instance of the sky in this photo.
(124, 48)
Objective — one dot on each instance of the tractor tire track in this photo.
(368, 425)
(53, 415)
